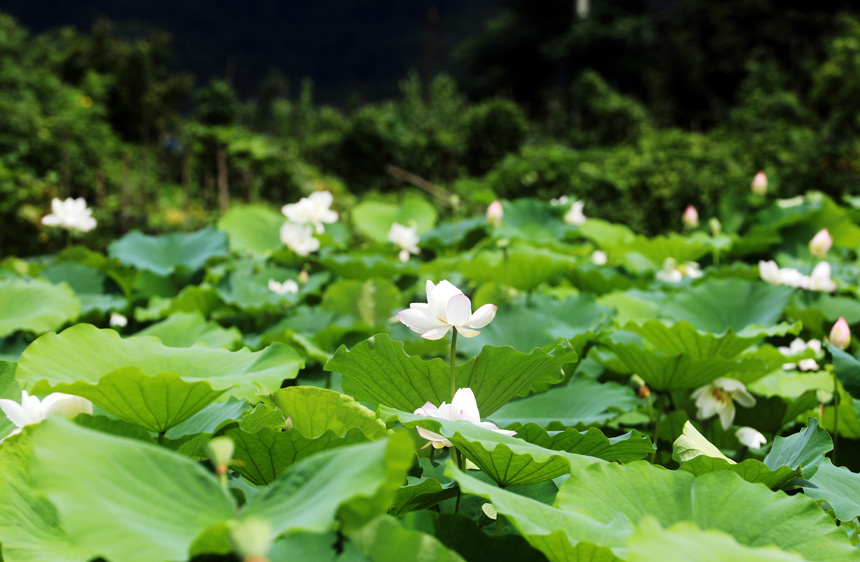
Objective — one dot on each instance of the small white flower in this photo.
(672, 272)
(299, 238)
(117, 320)
(287, 287)
(574, 215)
(313, 209)
(406, 238)
(71, 214)
(820, 279)
(447, 308)
(560, 201)
(750, 437)
(798, 346)
(719, 397)
(32, 411)
(599, 257)
(462, 407)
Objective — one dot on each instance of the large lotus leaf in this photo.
(719, 304)
(314, 410)
(250, 292)
(839, 487)
(352, 266)
(85, 353)
(88, 283)
(253, 229)
(631, 446)
(124, 500)
(602, 232)
(356, 483)
(713, 501)
(581, 402)
(634, 305)
(372, 301)
(428, 490)
(507, 460)
(532, 220)
(380, 372)
(561, 535)
(210, 418)
(451, 233)
(656, 250)
(35, 306)
(682, 337)
(804, 449)
(385, 539)
(526, 267)
(686, 541)
(373, 219)
(186, 329)
(847, 370)
(599, 279)
(164, 253)
(30, 529)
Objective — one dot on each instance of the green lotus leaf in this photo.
(385, 539)
(838, 486)
(35, 306)
(373, 219)
(593, 443)
(253, 229)
(314, 410)
(804, 449)
(185, 329)
(163, 254)
(372, 301)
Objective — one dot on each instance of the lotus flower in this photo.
(462, 407)
(287, 287)
(299, 238)
(313, 209)
(673, 272)
(759, 184)
(820, 279)
(495, 213)
(690, 217)
(820, 243)
(446, 308)
(719, 397)
(32, 411)
(117, 320)
(71, 214)
(840, 335)
(750, 437)
(599, 257)
(798, 346)
(406, 237)
(574, 215)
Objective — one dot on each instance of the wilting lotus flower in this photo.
(462, 407)
(820, 279)
(406, 237)
(719, 397)
(799, 346)
(32, 411)
(759, 184)
(287, 287)
(599, 257)
(71, 214)
(446, 308)
(840, 335)
(820, 243)
(750, 437)
(574, 215)
(691, 217)
(495, 213)
(313, 209)
(299, 238)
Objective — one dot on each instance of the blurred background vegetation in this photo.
(639, 108)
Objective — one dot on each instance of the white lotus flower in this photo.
(560, 201)
(574, 215)
(446, 308)
(299, 238)
(71, 214)
(719, 397)
(287, 287)
(599, 257)
(406, 237)
(799, 346)
(32, 411)
(462, 407)
(313, 209)
(117, 320)
(673, 272)
(750, 437)
(820, 279)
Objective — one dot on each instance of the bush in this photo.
(493, 129)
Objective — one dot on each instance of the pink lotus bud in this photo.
(840, 335)
(288, 423)
(691, 217)
(495, 213)
(303, 277)
(759, 184)
(820, 243)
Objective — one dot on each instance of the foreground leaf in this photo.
(35, 306)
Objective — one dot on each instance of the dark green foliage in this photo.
(493, 129)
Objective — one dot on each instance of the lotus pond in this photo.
(391, 382)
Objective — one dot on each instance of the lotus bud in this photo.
(495, 213)
(288, 423)
(820, 243)
(599, 257)
(750, 438)
(715, 225)
(840, 335)
(303, 277)
(251, 538)
(691, 217)
(221, 453)
(759, 184)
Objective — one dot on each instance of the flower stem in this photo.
(835, 417)
(659, 414)
(462, 466)
(453, 358)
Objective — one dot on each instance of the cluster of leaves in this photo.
(595, 471)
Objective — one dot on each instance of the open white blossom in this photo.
(462, 407)
(820, 279)
(313, 209)
(555, 202)
(406, 238)
(750, 437)
(71, 214)
(117, 320)
(799, 346)
(719, 397)
(599, 257)
(446, 309)
(674, 272)
(299, 238)
(574, 215)
(32, 411)
(287, 287)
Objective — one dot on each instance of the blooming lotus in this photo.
(799, 346)
(690, 217)
(406, 237)
(673, 272)
(31, 410)
(495, 213)
(462, 407)
(447, 308)
(750, 437)
(820, 279)
(574, 215)
(759, 184)
(599, 257)
(820, 243)
(719, 397)
(299, 238)
(71, 214)
(287, 287)
(840, 334)
(313, 209)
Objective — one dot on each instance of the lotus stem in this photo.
(835, 417)
(453, 359)
(461, 465)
